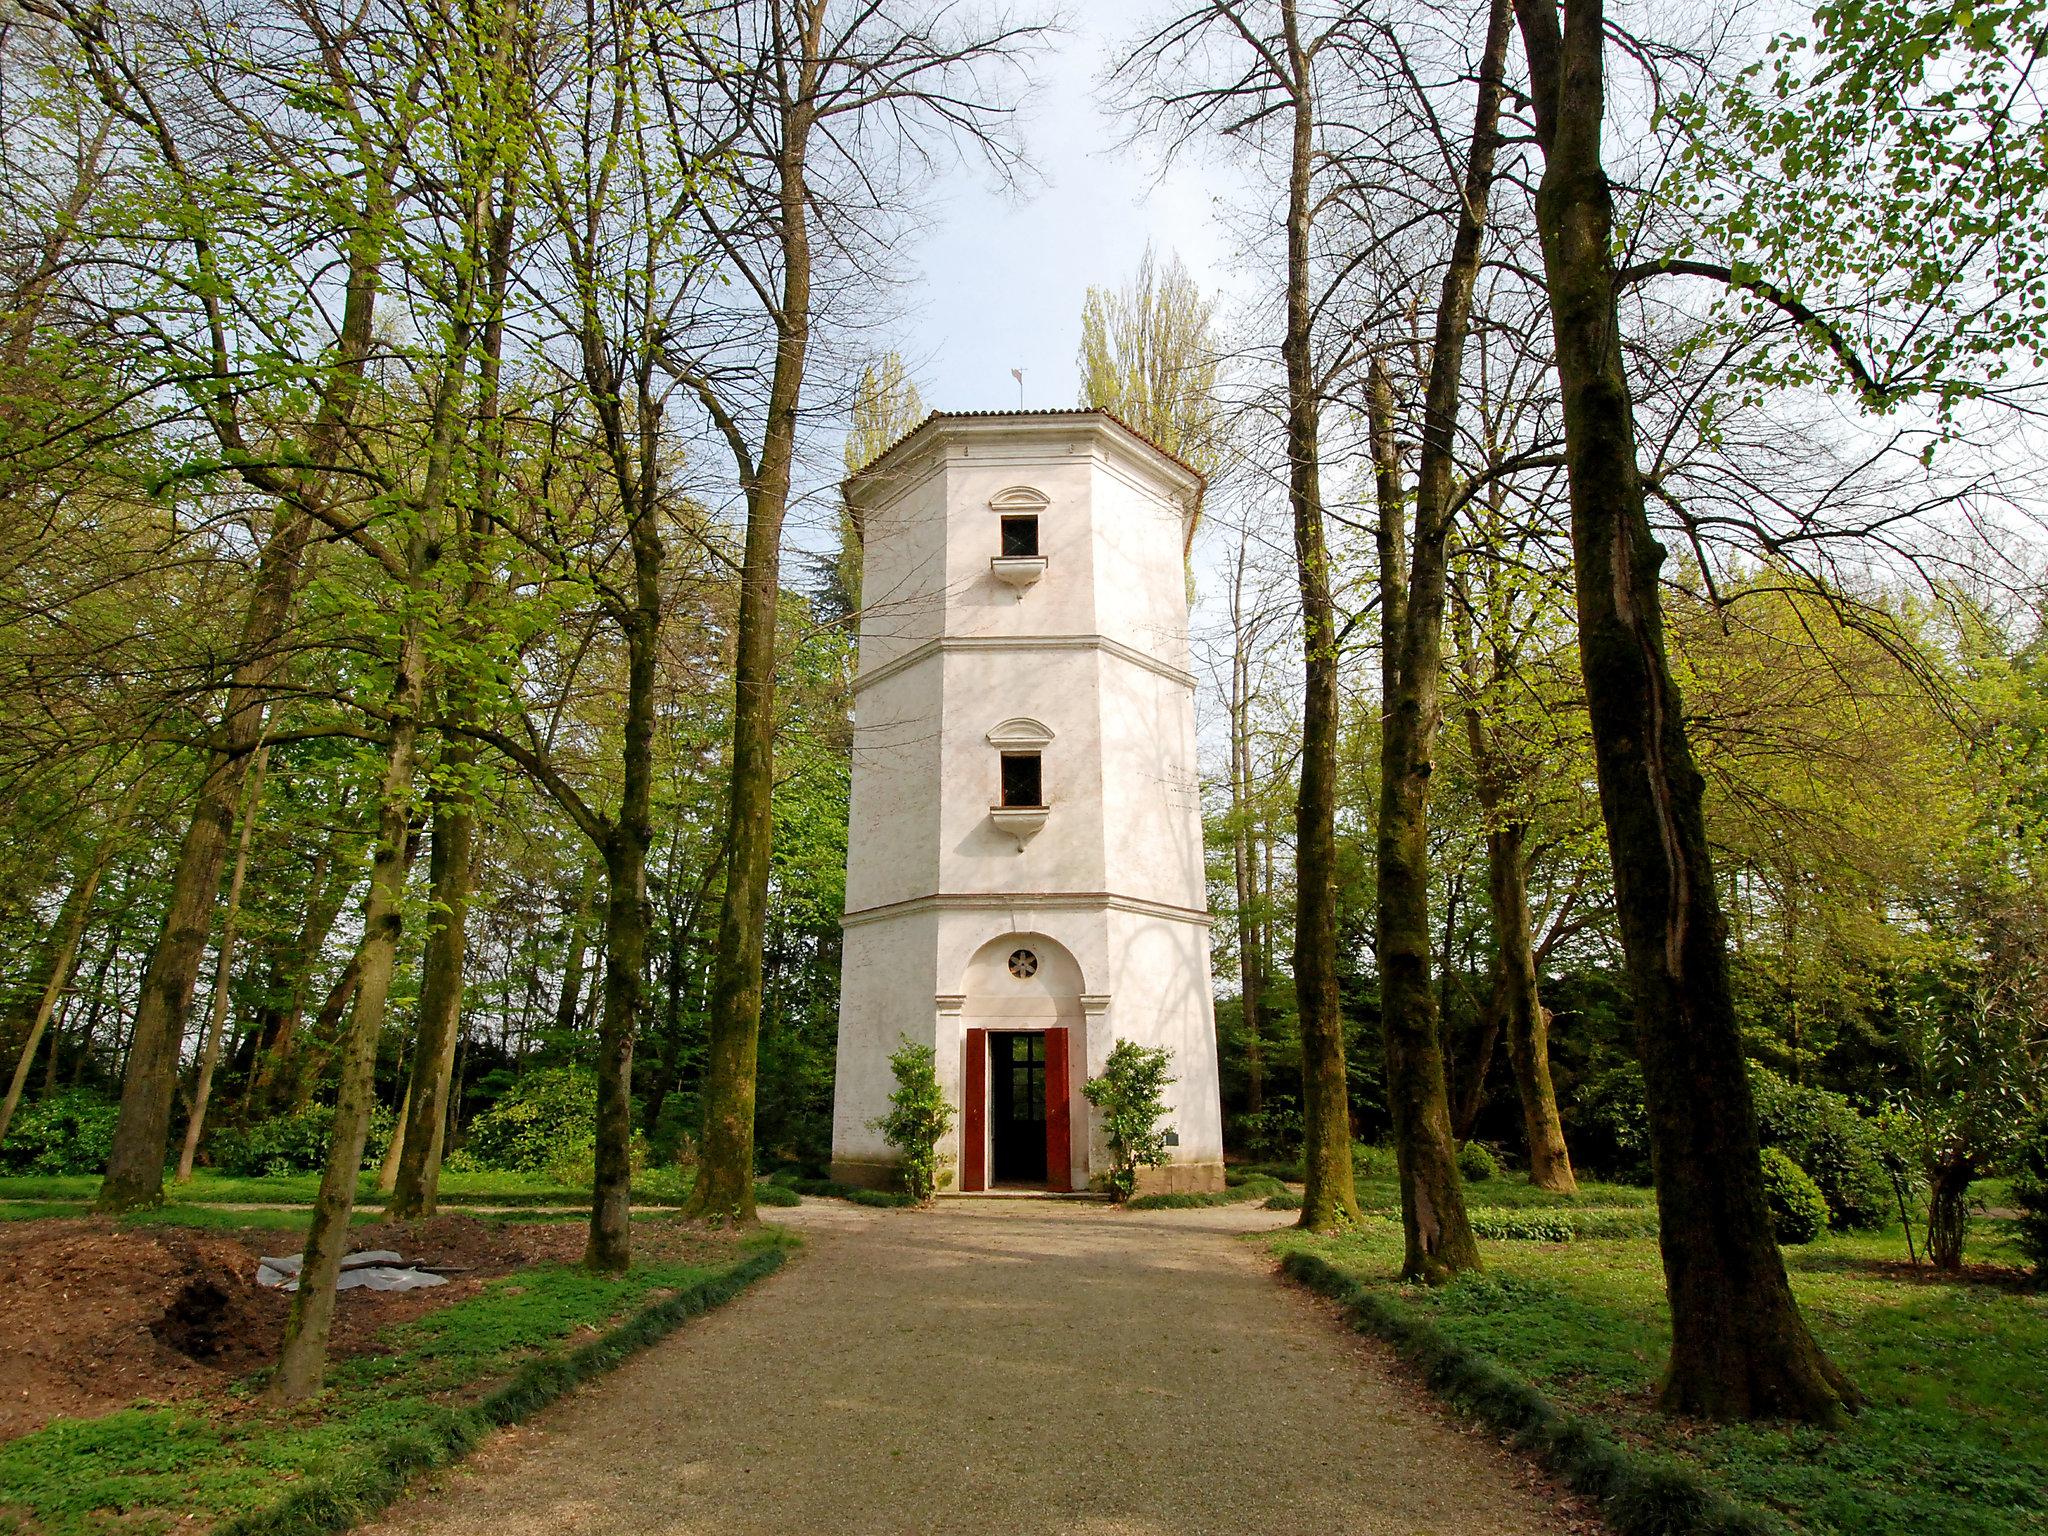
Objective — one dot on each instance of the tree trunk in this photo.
(223, 970)
(1250, 966)
(309, 1063)
(725, 1171)
(1328, 1199)
(609, 1247)
(1468, 1085)
(451, 864)
(61, 959)
(568, 1006)
(276, 1031)
(1739, 1347)
(1439, 1238)
(1528, 1021)
(394, 1146)
(302, 1361)
(135, 1165)
(1948, 1209)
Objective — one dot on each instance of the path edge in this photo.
(374, 1478)
(1639, 1493)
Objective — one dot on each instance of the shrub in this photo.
(918, 1118)
(1130, 1095)
(1523, 1226)
(545, 1123)
(70, 1132)
(1610, 1130)
(1839, 1149)
(2030, 1195)
(1274, 1133)
(1799, 1212)
(1477, 1163)
(292, 1143)
(1372, 1162)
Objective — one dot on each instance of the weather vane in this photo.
(1018, 375)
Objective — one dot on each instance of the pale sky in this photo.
(1000, 280)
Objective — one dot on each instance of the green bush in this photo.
(70, 1132)
(2030, 1195)
(1477, 1163)
(545, 1123)
(292, 1143)
(1523, 1226)
(1131, 1097)
(918, 1119)
(1799, 1212)
(1371, 1162)
(1275, 1132)
(1839, 1149)
(776, 1194)
(1610, 1129)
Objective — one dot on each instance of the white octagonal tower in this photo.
(1024, 878)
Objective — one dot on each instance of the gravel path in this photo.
(995, 1366)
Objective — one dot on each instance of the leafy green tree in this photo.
(886, 406)
(1149, 353)
(1130, 1096)
(918, 1118)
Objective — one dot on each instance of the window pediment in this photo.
(1019, 734)
(1019, 498)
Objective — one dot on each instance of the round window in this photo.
(1023, 964)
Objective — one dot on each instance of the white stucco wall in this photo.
(1110, 890)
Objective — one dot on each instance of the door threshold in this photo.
(1018, 1192)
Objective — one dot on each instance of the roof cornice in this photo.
(904, 462)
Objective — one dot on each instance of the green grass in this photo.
(325, 1466)
(180, 1213)
(658, 1186)
(1256, 1186)
(1955, 1436)
(832, 1189)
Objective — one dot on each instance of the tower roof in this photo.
(1075, 413)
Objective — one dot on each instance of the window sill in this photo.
(1020, 821)
(1018, 571)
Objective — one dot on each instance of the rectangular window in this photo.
(1020, 536)
(1022, 782)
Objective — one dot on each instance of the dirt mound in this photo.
(93, 1316)
(463, 1244)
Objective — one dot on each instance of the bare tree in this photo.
(822, 118)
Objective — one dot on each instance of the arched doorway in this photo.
(1021, 1010)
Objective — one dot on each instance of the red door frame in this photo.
(974, 1127)
(1059, 1133)
(1059, 1144)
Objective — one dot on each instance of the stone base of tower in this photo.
(865, 1173)
(1005, 994)
(1181, 1179)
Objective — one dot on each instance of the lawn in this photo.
(154, 1468)
(1955, 1435)
(662, 1186)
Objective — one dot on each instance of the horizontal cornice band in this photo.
(942, 643)
(1038, 901)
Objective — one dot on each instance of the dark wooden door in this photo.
(1016, 1107)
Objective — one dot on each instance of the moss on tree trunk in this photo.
(1740, 1348)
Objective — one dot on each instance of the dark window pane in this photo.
(1022, 784)
(1020, 535)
